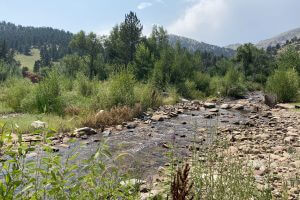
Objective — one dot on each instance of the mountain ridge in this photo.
(194, 45)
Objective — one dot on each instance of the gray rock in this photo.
(225, 106)
(106, 133)
(209, 105)
(158, 117)
(285, 106)
(85, 131)
(39, 124)
(238, 107)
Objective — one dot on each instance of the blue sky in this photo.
(219, 22)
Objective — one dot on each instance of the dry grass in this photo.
(115, 116)
(181, 185)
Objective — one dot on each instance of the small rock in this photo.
(158, 117)
(119, 128)
(64, 146)
(84, 137)
(106, 133)
(296, 164)
(238, 107)
(196, 102)
(214, 110)
(85, 131)
(39, 124)
(209, 105)
(225, 106)
(131, 125)
(289, 139)
(183, 123)
(285, 106)
(55, 149)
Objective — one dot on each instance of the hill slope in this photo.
(194, 45)
(279, 39)
(23, 38)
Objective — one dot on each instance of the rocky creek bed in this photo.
(268, 138)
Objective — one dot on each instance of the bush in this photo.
(232, 85)
(189, 90)
(147, 96)
(48, 95)
(121, 89)
(172, 96)
(202, 81)
(85, 86)
(16, 91)
(284, 84)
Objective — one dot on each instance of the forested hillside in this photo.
(22, 38)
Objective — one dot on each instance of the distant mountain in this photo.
(233, 46)
(194, 45)
(279, 39)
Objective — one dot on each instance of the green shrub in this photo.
(202, 82)
(67, 84)
(284, 84)
(16, 91)
(85, 86)
(147, 96)
(172, 96)
(48, 95)
(121, 89)
(189, 90)
(232, 85)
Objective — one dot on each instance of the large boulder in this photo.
(270, 100)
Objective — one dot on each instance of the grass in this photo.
(28, 61)
(23, 121)
(4, 109)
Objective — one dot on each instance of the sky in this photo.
(219, 22)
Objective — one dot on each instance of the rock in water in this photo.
(209, 105)
(39, 124)
(85, 131)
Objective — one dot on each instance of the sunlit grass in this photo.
(23, 122)
(28, 61)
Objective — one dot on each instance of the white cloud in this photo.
(144, 5)
(202, 14)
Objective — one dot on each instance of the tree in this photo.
(130, 34)
(255, 63)
(289, 59)
(143, 62)
(89, 48)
